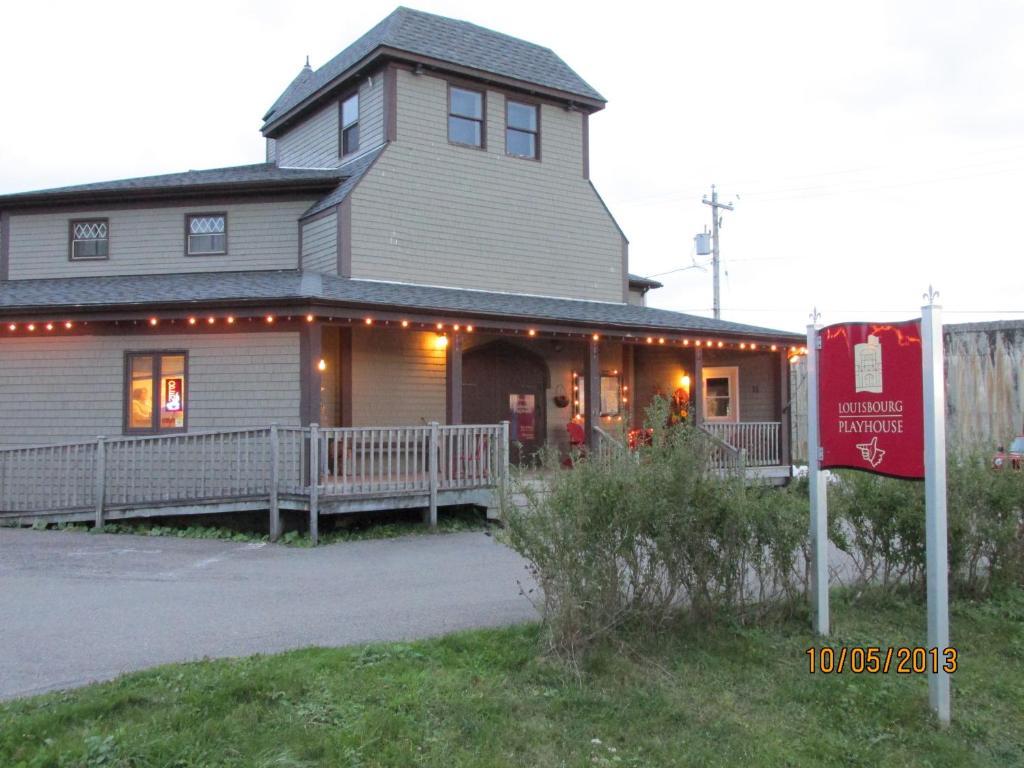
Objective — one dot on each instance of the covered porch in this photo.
(559, 388)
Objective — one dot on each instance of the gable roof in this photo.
(257, 177)
(183, 292)
(444, 40)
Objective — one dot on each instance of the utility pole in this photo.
(716, 219)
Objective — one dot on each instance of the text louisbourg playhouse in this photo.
(423, 244)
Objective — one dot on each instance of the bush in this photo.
(882, 527)
(632, 537)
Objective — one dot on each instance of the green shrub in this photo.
(882, 527)
(632, 537)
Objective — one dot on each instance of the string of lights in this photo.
(442, 329)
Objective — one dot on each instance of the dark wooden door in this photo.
(500, 382)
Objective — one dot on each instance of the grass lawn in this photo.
(701, 697)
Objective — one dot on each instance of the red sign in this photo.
(870, 398)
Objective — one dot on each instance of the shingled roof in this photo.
(126, 293)
(260, 175)
(446, 40)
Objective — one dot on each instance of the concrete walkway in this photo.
(78, 607)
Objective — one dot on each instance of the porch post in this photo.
(453, 379)
(785, 411)
(345, 376)
(697, 388)
(592, 392)
(311, 352)
(628, 351)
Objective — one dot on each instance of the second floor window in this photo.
(465, 117)
(90, 239)
(350, 124)
(521, 129)
(206, 234)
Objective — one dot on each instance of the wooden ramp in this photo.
(311, 469)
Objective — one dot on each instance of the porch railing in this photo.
(760, 440)
(249, 464)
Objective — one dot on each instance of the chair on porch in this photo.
(577, 441)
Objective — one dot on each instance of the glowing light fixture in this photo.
(441, 341)
(322, 365)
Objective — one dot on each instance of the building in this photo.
(422, 243)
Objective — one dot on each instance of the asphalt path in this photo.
(77, 607)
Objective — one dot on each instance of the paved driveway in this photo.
(76, 607)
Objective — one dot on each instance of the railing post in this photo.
(275, 479)
(100, 487)
(432, 468)
(504, 455)
(314, 482)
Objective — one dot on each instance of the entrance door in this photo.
(500, 382)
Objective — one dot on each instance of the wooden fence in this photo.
(194, 472)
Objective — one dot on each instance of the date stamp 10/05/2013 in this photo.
(872, 660)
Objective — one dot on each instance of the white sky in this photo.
(874, 147)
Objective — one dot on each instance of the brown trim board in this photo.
(5, 245)
(343, 243)
(390, 103)
(86, 206)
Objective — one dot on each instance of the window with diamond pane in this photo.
(90, 239)
(207, 234)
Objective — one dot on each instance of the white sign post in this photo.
(818, 489)
(937, 570)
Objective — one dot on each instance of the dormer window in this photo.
(90, 239)
(465, 117)
(350, 124)
(206, 234)
(522, 130)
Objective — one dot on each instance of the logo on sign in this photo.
(867, 366)
(871, 453)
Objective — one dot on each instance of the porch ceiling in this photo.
(140, 295)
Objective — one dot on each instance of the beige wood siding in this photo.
(397, 378)
(758, 381)
(320, 245)
(314, 142)
(637, 297)
(71, 388)
(152, 240)
(431, 212)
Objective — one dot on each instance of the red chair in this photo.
(577, 441)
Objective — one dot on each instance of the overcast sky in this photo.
(871, 148)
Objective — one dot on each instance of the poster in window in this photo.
(522, 416)
(172, 411)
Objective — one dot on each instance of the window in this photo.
(721, 394)
(89, 239)
(521, 129)
(611, 394)
(350, 124)
(206, 233)
(155, 392)
(465, 117)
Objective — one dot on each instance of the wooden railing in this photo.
(760, 440)
(250, 464)
(721, 455)
(608, 445)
